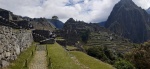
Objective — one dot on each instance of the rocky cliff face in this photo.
(12, 42)
(129, 21)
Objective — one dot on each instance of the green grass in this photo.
(90, 62)
(59, 38)
(71, 47)
(60, 58)
(26, 55)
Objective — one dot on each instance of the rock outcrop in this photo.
(129, 21)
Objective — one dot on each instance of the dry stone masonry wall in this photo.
(12, 43)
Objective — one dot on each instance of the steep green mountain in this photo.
(129, 21)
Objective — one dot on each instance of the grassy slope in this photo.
(60, 58)
(18, 64)
(90, 62)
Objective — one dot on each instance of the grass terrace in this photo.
(24, 58)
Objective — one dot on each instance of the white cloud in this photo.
(87, 10)
(145, 4)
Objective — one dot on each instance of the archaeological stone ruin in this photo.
(17, 34)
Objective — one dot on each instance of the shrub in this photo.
(98, 53)
(123, 64)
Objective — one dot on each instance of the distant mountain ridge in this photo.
(129, 21)
(148, 10)
(102, 23)
(57, 23)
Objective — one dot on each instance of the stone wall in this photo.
(40, 35)
(12, 43)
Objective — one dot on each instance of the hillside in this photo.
(94, 35)
(96, 41)
(111, 41)
(62, 59)
(42, 24)
(79, 30)
(89, 61)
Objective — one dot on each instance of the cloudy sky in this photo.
(86, 10)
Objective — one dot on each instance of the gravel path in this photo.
(39, 60)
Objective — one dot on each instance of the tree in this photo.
(140, 56)
(55, 17)
(85, 36)
(123, 64)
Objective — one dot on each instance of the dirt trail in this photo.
(39, 60)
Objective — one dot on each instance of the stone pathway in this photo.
(39, 60)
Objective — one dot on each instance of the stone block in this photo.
(4, 63)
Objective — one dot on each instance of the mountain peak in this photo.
(126, 18)
(127, 3)
(126, 0)
(70, 20)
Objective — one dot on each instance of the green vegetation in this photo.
(21, 63)
(102, 53)
(71, 48)
(60, 58)
(122, 64)
(90, 62)
(140, 56)
(59, 38)
(55, 17)
(110, 57)
(85, 35)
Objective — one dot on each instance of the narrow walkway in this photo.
(39, 60)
